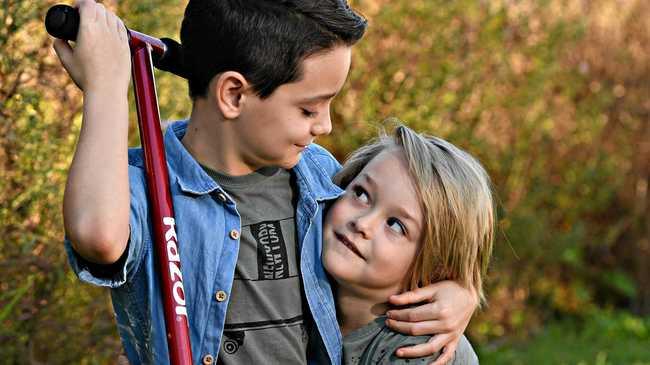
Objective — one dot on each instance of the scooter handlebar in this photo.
(62, 21)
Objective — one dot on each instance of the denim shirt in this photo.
(205, 216)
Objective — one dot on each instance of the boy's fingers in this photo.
(425, 312)
(421, 350)
(446, 356)
(411, 297)
(102, 15)
(414, 328)
(121, 30)
(86, 10)
(429, 348)
(111, 21)
(63, 51)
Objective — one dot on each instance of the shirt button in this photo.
(208, 359)
(222, 197)
(221, 296)
(234, 234)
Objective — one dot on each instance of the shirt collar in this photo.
(190, 176)
(314, 178)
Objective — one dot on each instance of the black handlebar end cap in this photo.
(62, 21)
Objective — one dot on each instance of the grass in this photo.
(607, 338)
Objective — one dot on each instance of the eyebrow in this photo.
(408, 217)
(401, 211)
(369, 179)
(318, 98)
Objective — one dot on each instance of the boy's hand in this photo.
(444, 312)
(100, 59)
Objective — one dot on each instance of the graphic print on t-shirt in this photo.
(268, 272)
(232, 340)
(272, 261)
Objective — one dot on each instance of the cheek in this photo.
(328, 236)
(326, 256)
(335, 214)
(335, 263)
(393, 260)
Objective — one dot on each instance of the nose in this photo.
(323, 125)
(364, 223)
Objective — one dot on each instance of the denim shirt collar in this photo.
(192, 179)
(183, 167)
(315, 180)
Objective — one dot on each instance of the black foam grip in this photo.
(173, 60)
(62, 21)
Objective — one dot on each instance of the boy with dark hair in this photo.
(264, 40)
(248, 185)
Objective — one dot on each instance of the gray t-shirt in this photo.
(264, 320)
(376, 344)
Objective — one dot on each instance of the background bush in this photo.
(552, 96)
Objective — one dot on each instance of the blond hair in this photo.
(456, 201)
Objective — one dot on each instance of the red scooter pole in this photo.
(62, 21)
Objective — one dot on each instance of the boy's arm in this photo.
(444, 310)
(96, 200)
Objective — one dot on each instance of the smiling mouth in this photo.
(304, 145)
(347, 243)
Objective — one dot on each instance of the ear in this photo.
(229, 92)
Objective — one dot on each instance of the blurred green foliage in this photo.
(551, 95)
(605, 339)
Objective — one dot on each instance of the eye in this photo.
(360, 194)
(396, 225)
(308, 113)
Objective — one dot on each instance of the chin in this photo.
(337, 273)
(338, 268)
(290, 162)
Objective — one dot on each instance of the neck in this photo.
(356, 309)
(209, 139)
